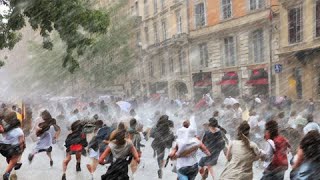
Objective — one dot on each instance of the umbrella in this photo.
(124, 106)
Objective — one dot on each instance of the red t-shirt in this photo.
(280, 159)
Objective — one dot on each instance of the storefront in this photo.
(300, 78)
(230, 84)
(259, 82)
(181, 89)
(159, 88)
(202, 84)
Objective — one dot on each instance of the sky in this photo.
(3, 8)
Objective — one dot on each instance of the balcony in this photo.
(176, 4)
(288, 3)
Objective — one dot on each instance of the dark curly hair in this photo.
(272, 127)
(310, 145)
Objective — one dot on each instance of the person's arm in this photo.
(172, 154)
(58, 131)
(22, 142)
(229, 154)
(299, 160)
(103, 156)
(135, 154)
(205, 149)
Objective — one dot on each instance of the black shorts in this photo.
(8, 150)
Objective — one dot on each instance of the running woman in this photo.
(75, 143)
(48, 132)
(13, 143)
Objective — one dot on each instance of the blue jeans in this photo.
(188, 173)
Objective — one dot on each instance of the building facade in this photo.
(161, 48)
(231, 46)
(299, 49)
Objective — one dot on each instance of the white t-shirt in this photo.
(45, 140)
(12, 137)
(192, 158)
(310, 127)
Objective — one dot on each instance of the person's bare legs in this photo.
(78, 158)
(65, 163)
(13, 161)
(93, 166)
(134, 166)
(50, 157)
(211, 171)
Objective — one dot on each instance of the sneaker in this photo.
(17, 166)
(160, 174)
(51, 163)
(6, 176)
(64, 177)
(78, 167)
(30, 157)
(49, 149)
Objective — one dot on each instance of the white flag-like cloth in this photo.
(227, 101)
(124, 106)
(209, 100)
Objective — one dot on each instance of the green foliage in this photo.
(107, 58)
(72, 19)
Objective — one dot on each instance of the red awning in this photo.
(263, 81)
(228, 82)
(202, 103)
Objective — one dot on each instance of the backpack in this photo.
(118, 169)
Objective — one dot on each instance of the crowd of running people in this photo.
(273, 133)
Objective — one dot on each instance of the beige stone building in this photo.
(161, 48)
(230, 46)
(299, 49)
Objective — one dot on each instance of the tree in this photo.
(75, 23)
(108, 57)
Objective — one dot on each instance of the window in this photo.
(146, 8)
(200, 15)
(151, 70)
(162, 4)
(171, 65)
(146, 32)
(179, 22)
(229, 52)
(257, 46)
(156, 34)
(226, 9)
(155, 6)
(256, 4)
(163, 67)
(317, 18)
(204, 58)
(164, 29)
(295, 24)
